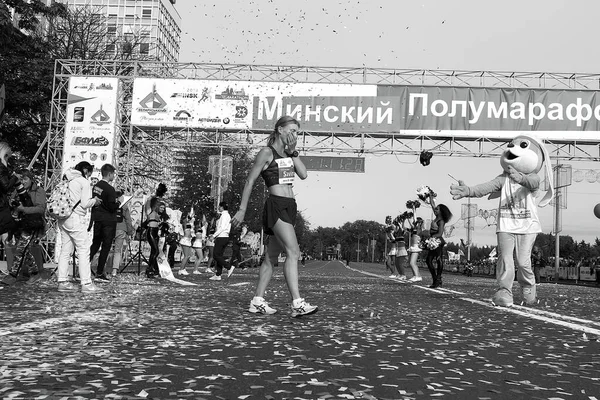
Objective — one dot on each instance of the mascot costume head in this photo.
(528, 155)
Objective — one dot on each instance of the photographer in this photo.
(8, 180)
(29, 206)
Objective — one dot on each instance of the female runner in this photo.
(277, 164)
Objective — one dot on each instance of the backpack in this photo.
(60, 206)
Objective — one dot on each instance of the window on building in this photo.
(144, 48)
(110, 48)
(147, 13)
(111, 30)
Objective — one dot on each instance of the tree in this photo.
(26, 70)
(86, 33)
(195, 183)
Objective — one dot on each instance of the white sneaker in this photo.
(114, 272)
(230, 271)
(196, 272)
(393, 276)
(258, 305)
(90, 288)
(301, 307)
(402, 278)
(215, 278)
(208, 270)
(415, 279)
(182, 272)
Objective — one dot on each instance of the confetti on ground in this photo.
(371, 339)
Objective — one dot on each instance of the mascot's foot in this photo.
(503, 298)
(529, 295)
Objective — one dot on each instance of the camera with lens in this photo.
(22, 198)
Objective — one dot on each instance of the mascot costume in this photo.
(518, 222)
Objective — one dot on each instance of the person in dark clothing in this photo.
(104, 218)
(154, 227)
(8, 182)
(30, 207)
(436, 231)
(537, 261)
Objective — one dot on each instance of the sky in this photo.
(523, 36)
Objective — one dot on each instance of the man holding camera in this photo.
(104, 217)
(29, 206)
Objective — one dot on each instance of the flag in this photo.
(460, 252)
(492, 253)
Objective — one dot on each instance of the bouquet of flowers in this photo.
(432, 243)
(424, 192)
(413, 204)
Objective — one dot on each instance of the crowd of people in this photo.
(408, 228)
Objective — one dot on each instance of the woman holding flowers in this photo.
(436, 242)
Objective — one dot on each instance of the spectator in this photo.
(124, 230)
(8, 180)
(104, 217)
(30, 227)
(221, 240)
(537, 260)
(73, 231)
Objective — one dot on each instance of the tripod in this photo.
(138, 255)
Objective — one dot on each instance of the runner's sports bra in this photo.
(280, 171)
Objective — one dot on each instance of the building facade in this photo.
(155, 24)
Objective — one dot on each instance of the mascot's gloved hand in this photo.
(514, 174)
(459, 191)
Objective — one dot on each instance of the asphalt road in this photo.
(373, 338)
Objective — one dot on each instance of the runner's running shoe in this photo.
(301, 307)
(258, 305)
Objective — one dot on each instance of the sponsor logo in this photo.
(88, 141)
(230, 94)
(241, 111)
(211, 120)
(186, 95)
(153, 103)
(78, 114)
(182, 116)
(103, 86)
(100, 117)
(205, 95)
(226, 121)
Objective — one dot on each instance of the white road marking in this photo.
(541, 315)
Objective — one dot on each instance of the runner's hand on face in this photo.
(291, 141)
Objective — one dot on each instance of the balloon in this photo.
(597, 210)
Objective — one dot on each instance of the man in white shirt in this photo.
(221, 236)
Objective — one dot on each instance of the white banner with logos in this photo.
(91, 120)
(213, 104)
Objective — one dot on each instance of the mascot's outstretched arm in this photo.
(462, 190)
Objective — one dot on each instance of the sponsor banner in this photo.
(475, 112)
(236, 105)
(91, 117)
(334, 164)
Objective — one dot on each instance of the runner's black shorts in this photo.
(278, 207)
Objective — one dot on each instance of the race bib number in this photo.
(286, 170)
